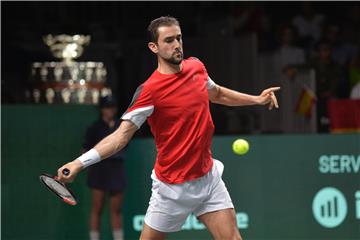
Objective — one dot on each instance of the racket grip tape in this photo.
(66, 171)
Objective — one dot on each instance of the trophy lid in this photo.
(66, 47)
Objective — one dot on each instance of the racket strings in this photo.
(59, 188)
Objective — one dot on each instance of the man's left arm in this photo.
(228, 97)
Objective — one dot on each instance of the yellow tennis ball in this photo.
(240, 146)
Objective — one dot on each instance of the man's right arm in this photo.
(104, 149)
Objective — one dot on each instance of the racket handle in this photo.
(66, 171)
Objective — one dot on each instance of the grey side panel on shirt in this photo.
(135, 97)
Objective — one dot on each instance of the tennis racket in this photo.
(59, 188)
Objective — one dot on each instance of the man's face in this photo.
(108, 112)
(169, 46)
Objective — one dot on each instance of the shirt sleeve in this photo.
(140, 108)
(210, 83)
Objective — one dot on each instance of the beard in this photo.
(174, 59)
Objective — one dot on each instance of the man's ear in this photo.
(153, 47)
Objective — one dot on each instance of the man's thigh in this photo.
(167, 209)
(221, 224)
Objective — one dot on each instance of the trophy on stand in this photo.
(68, 81)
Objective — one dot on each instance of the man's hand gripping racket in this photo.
(56, 184)
(74, 168)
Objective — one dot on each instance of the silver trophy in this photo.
(68, 81)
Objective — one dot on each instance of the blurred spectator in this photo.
(354, 75)
(341, 42)
(247, 17)
(343, 50)
(308, 25)
(288, 55)
(108, 177)
(328, 76)
(352, 23)
(351, 34)
(266, 38)
(355, 92)
(251, 18)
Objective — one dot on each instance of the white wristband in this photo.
(89, 158)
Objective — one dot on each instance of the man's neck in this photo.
(168, 68)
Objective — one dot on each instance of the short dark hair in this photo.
(159, 22)
(107, 101)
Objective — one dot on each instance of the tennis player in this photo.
(175, 102)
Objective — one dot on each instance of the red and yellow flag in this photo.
(306, 102)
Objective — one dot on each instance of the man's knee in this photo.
(229, 234)
(228, 231)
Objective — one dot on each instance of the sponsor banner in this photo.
(285, 187)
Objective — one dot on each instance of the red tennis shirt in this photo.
(176, 107)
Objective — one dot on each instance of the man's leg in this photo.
(116, 200)
(168, 209)
(221, 224)
(98, 197)
(149, 233)
(217, 213)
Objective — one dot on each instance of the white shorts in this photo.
(171, 204)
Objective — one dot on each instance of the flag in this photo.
(306, 102)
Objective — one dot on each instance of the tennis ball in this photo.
(240, 146)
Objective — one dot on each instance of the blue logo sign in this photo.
(329, 207)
